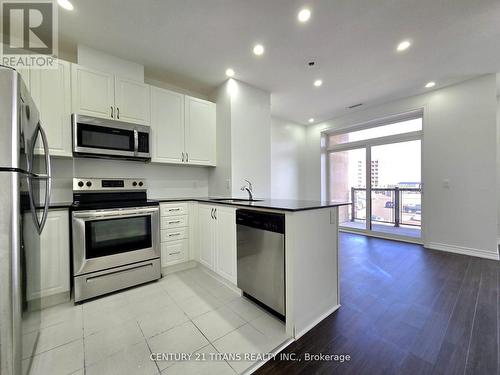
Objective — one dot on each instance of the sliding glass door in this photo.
(348, 182)
(379, 171)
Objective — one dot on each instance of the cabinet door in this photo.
(206, 235)
(53, 256)
(200, 131)
(225, 243)
(92, 92)
(167, 126)
(132, 101)
(51, 91)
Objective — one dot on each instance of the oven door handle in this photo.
(114, 214)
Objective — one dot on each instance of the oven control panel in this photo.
(108, 184)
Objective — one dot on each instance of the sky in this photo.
(397, 162)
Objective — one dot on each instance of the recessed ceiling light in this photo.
(304, 15)
(318, 83)
(430, 84)
(65, 4)
(404, 45)
(311, 120)
(230, 72)
(258, 49)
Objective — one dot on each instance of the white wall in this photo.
(251, 140)
(287, 149)
(164, 181)
(459, 145)
(498, 158)
(243, 136)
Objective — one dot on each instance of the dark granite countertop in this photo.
(54, 205)
(275, 204)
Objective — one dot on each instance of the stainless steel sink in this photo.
(235, 200)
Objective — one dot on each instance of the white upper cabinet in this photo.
(105, 95)
(167, 126)
(183, 128)
(200, 131)
(92, 92)
(225, 241)
(132, 101)
(51, 91)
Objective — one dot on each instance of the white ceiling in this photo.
(352, 41)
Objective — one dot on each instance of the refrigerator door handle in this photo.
(48, 182)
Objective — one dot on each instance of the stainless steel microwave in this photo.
(96, 137)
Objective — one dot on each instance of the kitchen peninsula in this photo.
(311, 255)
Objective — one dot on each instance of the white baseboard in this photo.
(315, 322)
(462, 250)
(275, 352)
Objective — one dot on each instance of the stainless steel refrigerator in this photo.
(25, 181)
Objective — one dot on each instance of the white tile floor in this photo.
(185, 312)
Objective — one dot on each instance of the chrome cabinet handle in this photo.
(112, 112)
(212, 212)
(183, 157)
(174, 253)
(174, 234)
(117, 112)
(215, 213)
(174, 222)
(187, 157)
(173, 209)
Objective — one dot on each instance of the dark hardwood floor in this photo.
(405, 310)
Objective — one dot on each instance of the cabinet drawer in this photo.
(174, 251)
(174, 209)
(168, 222)
(174, 234)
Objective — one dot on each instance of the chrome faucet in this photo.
(249, 190)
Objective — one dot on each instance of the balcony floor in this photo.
(404, 230)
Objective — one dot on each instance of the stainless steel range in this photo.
(116, 236)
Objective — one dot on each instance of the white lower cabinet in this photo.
(206, 235)
(173, 252)
(53, 277)
(175, 233)
(217, 239)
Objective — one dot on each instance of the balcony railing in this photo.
(396, 206)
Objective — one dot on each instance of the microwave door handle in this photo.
(136, 142)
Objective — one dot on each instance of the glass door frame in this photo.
(367, 145)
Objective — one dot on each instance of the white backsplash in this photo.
(164, 181)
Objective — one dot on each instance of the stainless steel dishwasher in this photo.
(261, 258)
